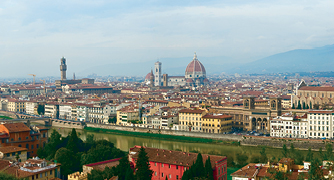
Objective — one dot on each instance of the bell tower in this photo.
(248, 102)
(276, 105)
(63, 68)
(157, 74)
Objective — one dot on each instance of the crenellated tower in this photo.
(63, 68)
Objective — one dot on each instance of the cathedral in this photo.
(195, 75)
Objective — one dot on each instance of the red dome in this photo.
(148, 76)
(195, 66)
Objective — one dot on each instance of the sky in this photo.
(34, 35)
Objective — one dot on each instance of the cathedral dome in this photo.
(148, 76)
(195, 69)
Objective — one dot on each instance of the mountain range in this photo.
(299, 60)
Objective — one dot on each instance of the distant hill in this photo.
(300, 60)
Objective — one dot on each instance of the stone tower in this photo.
(63, 68)
(248, 102)
(157, 74)
(151, 79)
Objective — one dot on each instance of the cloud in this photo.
(104, 32)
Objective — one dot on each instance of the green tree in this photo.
(199, 166)
(40, 109)
(304, 105)
(123, 164)
(315, 172)
(242, 160)
(208, 169)
(143, 166)
(100, 153)
(255, 159)
(285, 151)
(112, 120)
(299, 106)
(73, 142)
(263, 157)
(49, 151)
(293, 106)
(95, 175)
(307, 107)
(230, 161)
(329, 152)
(67, 159)
(292, 151)
(311, 105)
(129, 174)
(309, 155)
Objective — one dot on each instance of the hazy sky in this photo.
(34, 34)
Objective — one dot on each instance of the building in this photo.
(172, 164)
(30, 107)
(65, 111)
(100, 165)
(10, 153)
(125, 115)
(289, 126)
(31, 169)
(191, 120)
(21, 135)
(15, 105)
(285, 165)
(195, 75)
(157, 74)
(217, 123)
(312, 95)
(52, 110)
(320, 124)
(63, 68)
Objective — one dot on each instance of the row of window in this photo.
(40, 175)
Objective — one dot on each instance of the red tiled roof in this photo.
(16, 127)
(196, 111)
(211, 116)
(10, 149)
(174, 157)
(313, 88)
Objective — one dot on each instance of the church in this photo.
(195, 75)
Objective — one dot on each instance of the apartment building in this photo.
(16, 105)
(10, 152)
(52, 110)
(216, 123)
(191, 120)
(65, 111)
(30, 107)
(320, 124)
(21, 135)
(127, 114)
(172, 164)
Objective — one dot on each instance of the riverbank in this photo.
(160, 136)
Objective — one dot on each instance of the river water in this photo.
(125, 142)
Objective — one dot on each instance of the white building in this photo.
(288, 126)
(52, 110)
(82, 113)
(30, 107)
(321, 124)
(65, 111)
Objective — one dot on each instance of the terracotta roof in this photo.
(174, 157)
(211, 116)
(313, 88)
(10, 149)
(103, 164)
(16, 127)
(321, 112)
(196, 111)
(247, 171)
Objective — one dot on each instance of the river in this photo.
(124, 142)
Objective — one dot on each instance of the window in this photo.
(12, 139)
(177, 177)
(170, 176)
(162, 174)
(41, 175)
(19, 152)
(177, 167)
(51, 172)
(27, 146)
(155, 164)
(13, 154)
(170, 166)
(32, 146)
(162, 165)
(36, 176)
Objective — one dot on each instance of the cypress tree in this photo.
(208, 169)
(122, 167)
(143, 166)
(307, 107)
(73, 140)
(309, 155)
(311, 107)
(285, 151)
(129, 174)
(293, 106)
(299, 105)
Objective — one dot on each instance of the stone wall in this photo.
(67, 124)
(303, 144)
(226, 137)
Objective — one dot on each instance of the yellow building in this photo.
(15, 105)
(191, 120)
(9, 153)
(125, 115)
(216, 123)
(77, 176)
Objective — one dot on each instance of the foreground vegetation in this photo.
(5, 117)
(72, 152)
